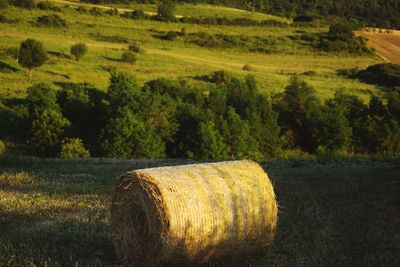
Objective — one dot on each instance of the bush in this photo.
(248, 67)
(46, 5)
(28, 4)
(112, 12)
(73, 148)
(78, 50)
(4, 4)
(81, 9)
(52, 20)
(128, 57)
(95, 11)
(2, 148)
(386, 74)
(165, 10)
(138, 14)
(135, 47)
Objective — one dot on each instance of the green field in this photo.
(331, 213)
(108, 36)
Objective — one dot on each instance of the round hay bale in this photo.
(193, 214)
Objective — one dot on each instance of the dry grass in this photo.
(386, 45)
(194, 213)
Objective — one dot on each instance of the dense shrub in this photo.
(52, 20)
(138, 14)
(224, 118)
(73, 148)
(28, 4)
(4, 4)
(112, 12)
(32, 54)
(95, 11)
(78, 50)
(46, 5)
(165, 10)
(386, 74)
(135, 47)
(248, 67)
(128, 57)
(340, 38)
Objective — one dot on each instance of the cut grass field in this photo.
(332, 212)
(108, 36)
(386, 45)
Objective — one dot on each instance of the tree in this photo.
(32, 55)
(340, 32)
(42, 96)
(73, 148)
(333, 129)
(126, 136)
(211, 144)
(122, 90)
(237, 136)
(79, 50)
(297, 107)
(165, 10)
(128, 57)
(47, 127)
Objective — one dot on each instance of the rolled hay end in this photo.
(193, 214)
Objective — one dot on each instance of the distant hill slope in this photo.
(386, 45)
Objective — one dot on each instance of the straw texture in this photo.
(192, 214)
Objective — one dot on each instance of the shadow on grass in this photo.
(6, 68)
(40, 240)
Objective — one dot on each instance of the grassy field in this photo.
(108, 36)
(332, 212)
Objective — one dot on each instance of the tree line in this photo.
(374, 13)
(228, 119)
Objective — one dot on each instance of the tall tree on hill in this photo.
(32, 55)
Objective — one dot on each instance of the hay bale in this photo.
(192, 214)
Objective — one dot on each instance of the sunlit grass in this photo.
(175, 59)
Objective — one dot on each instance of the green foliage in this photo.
(237, 135)
(211, 143)
(122, 90)
(73, 148)
(2, 148)
(340, 32)
(297, 107)
(135, 47)
(384, 74)
(28, 4)
(47, 121)
(333, 129)
(47, 128)
(42, 96)
(46, 5)
(32, 54)
(126, 136)
(4, 4)
(128, 57)
(52, 20)
(78, 50)
(165, 10)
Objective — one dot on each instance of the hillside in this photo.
(108, 36)
(385, 42)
